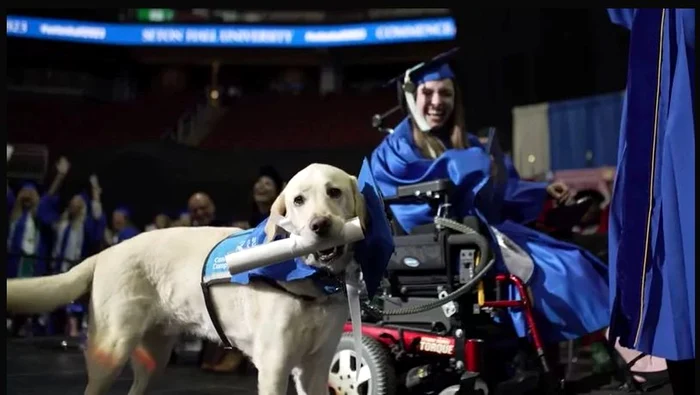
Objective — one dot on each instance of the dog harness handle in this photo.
(352, 285)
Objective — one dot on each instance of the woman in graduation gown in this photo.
(29, 235)
(30, 221)
(569, 285)
(652, 217)
(122, 227)
(78, 233)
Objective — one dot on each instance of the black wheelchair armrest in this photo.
(564, 217)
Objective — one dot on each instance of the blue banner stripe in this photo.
(232, 35)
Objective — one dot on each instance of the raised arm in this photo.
(62, 167)
(97, 220)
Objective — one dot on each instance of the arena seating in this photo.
(57, 121)
(299, 122)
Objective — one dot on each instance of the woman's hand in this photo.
(62, 166)
(95, 184)
(559, 191)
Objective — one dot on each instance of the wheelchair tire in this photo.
(376, 358)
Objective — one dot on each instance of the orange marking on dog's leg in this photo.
(103, 358)
(144, 357)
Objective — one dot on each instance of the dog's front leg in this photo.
(273, 376)
(274, 367)
(311, 374)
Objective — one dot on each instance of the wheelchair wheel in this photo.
(377, 376)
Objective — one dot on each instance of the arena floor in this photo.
(41, 366)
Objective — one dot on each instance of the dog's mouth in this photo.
(328, 255)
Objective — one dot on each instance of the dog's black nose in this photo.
(321, 226)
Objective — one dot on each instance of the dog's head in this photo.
(318, 201)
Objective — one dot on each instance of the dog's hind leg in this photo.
(150, 358)
(105, 358)
(113, 334)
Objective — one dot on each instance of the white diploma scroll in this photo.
(292, 247)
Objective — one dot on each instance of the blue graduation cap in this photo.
(416, 76)
(124, 210)
(28, 185)
(375, 250)
(434, 72)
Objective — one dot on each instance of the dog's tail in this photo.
(44, 294)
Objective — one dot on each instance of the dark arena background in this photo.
(148, 115)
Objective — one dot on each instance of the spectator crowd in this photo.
(49, 235)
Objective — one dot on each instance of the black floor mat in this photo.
(42, 366)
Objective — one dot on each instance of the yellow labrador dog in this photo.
(146, 291)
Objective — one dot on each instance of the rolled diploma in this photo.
(292, 247)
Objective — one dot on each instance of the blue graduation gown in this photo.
(44, 218)
(93, 230)
(127, 233)
(652, 216)
(523, 200)
(561, 271)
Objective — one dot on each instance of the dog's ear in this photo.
(359, 200)
(280, 208)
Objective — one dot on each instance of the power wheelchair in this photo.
(448, 331)
(442, 335)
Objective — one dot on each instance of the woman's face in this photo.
(76, 206)
(119, 220)
(161, 221)
(264, 190)
(28, 198)
(436, 101)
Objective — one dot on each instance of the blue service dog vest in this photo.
(216, 271)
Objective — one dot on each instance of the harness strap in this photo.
(325, 280)
(215, 317)
(209, 304)
(276, 285)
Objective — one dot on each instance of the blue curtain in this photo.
(585, 127)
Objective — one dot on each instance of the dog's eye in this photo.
(299, 200)
(334, 193)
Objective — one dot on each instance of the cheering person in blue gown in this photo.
(29, 232)
(78, 232)
(652, 214)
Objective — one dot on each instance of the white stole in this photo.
(74, 246)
